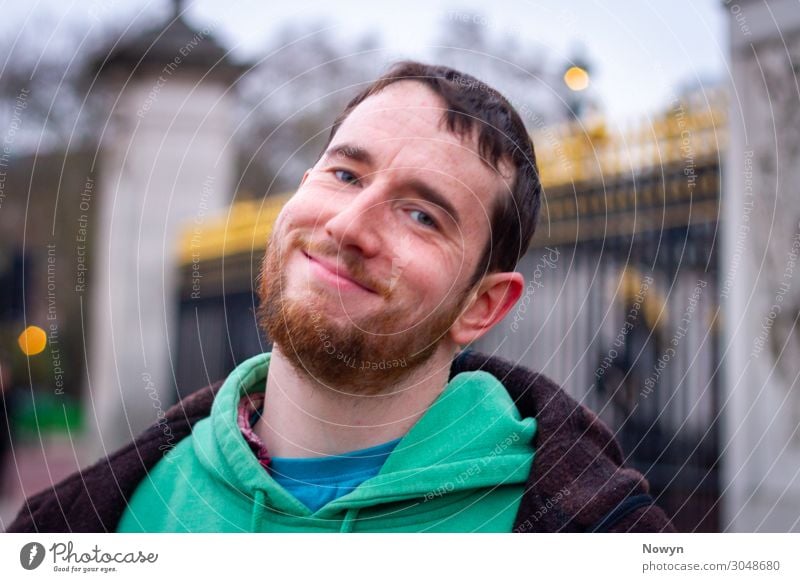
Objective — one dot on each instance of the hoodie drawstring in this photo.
(259, 506)
(349, 520)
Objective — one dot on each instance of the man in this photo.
(397, 250)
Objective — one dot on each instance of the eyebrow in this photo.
(433, 196)
(425, 191)
(352, 152)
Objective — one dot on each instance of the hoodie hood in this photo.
(470, 448)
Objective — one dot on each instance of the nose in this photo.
(357, 224)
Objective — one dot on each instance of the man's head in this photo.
(426, 196)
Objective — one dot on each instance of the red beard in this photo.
(365, 357)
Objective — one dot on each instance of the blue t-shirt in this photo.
(319, 480)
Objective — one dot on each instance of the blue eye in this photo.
(353, 179)
(429, 222)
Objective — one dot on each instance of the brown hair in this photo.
(501, 136)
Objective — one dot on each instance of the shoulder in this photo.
(93, 499)
(579, 480)
(534, 393)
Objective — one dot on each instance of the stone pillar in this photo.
(760, 271)
(165, 159)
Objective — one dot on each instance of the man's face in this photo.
(399, 207)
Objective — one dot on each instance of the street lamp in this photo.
(576, 78)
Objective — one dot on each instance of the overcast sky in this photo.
(642, 51)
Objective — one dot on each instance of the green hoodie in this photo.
(461, 467)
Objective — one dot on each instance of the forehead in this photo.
(402, 128)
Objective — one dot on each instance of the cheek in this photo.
(305, 210)
(431, 283)
(295, 216)
(285, 218)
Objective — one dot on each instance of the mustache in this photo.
(330, 250)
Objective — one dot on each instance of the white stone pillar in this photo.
(759, 280)
(166, 159)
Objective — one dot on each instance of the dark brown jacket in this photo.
(578, 481)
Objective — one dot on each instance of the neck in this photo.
(303, 418)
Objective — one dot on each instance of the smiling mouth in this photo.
(328, 273)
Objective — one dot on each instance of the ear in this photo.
(495, 295)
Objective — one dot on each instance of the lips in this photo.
(335, 274)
